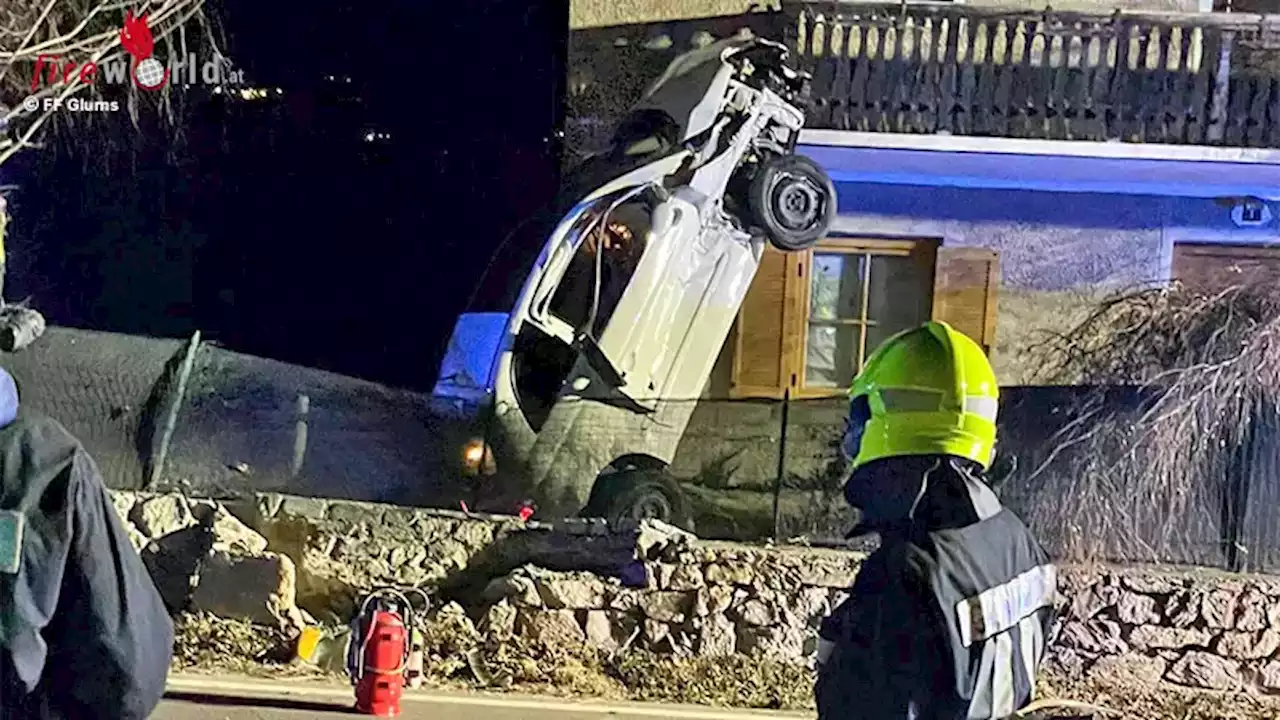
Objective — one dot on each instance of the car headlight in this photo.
(477, 458)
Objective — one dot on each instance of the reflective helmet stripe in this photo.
(916, 400)
(911, 399)
(983, 406)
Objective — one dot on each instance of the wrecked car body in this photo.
(593, 334)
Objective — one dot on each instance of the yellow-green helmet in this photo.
(925, 391)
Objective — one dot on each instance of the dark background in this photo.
(273, 226)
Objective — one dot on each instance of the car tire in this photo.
(637, 493)
(793, 201)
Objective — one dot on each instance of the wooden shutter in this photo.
(1210, 268)
(767, 334)
(964, 292)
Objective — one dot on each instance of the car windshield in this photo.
(511, 264)
(500, 286)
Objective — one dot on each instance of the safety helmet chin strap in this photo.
(984, 500)
(924, 487)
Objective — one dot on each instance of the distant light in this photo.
(370, 136)
(217, 90)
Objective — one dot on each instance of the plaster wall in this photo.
(1059, 252)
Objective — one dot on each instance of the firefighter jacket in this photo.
(85, 632)
(947, 619)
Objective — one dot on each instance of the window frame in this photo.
(766, 348)
(844, 245)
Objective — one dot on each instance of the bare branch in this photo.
(81, 31)
(1148, 482)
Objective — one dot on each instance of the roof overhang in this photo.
(1045, 165)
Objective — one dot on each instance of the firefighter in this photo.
(86, 634)
(948, 618)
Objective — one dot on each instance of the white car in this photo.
(576, 368)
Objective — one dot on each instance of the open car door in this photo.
(645, 294)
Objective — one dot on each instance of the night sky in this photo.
(274, 227)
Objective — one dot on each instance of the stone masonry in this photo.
(287, 561)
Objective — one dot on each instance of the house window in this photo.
(857, 298)
(810, 319)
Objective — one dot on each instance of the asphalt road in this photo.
(223, 699)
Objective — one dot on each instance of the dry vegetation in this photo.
(1136, 699)
(207, 644)
(1147, 481)
(82, 31)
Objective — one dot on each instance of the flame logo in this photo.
(136, 40)
(136, 36)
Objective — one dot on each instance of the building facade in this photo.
(999, 165)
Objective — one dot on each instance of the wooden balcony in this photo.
(1208, 79)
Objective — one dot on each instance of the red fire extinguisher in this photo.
(378, 652)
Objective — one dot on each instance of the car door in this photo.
(667, 329)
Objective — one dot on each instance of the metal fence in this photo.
(168, 414)
(160, 414)
(1080, 480)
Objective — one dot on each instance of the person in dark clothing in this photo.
(86, 634)
(948, 619)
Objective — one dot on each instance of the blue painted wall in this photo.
(1058, 250)
(1048, 241)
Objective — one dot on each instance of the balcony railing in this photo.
(1180, 79)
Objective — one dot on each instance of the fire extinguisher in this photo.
(378, 652)
(413, 675)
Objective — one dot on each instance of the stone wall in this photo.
(288, 561)
(696, 599)
(1198, 629)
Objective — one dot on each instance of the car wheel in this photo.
(793, 200)
(636, 494)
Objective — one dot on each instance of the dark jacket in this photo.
(897, 649)
(86, 634)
